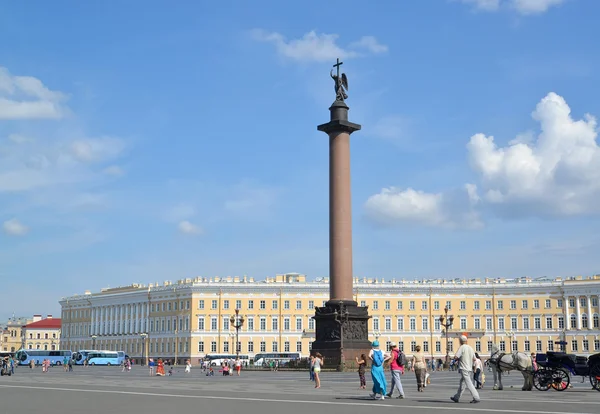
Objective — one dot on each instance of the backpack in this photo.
(377, 358)
(400, 358)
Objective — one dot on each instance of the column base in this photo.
(341, 341)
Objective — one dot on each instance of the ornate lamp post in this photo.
(341, 318)
(144, 336)
(94, 341)
(510, 335)
(237, 321)
(377, 334)
(446, 321)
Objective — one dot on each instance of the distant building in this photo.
(42, 333)
(12, 334)
(191, 318)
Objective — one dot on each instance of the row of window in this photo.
(262, 304)
(182, 324)
(39, 336)
(250, 347)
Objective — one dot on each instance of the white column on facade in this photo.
(578, 308)
(110, 319)
(97, 322)
(92, 316)
(129, 316)
(100, 309)
(590, 313)
(138, 313)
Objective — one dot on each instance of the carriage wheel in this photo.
(595, 377)
(560, 380)
(542, 379)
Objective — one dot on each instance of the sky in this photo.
(142, 142)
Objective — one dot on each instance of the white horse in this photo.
(520, 361)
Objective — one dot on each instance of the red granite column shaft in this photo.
(340, 218)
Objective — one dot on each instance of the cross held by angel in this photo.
(341, 82)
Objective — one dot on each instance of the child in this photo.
(210, 373)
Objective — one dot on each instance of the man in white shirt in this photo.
(465, 356)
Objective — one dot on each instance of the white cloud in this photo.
(14, 227)
(534, 6)
(556, 173)
(487, 5)
(369, 43)
(188, 228)
(26, 97)
(317, 47)
(450, 210)
(524, 7)
(113, 170)
(97, 149)
(179, 212)
(19, 139)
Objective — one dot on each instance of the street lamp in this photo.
(341, 318)
(446, 321)
(510, 335)
(94, 341)
(237, 321)
(144, 336)
(377, 334)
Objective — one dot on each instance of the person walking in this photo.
(477, 371)
(465, 357)
(151, 365)
(312, 368)
(419, 367)
(397, 362)
(377, 360)
(362, 366)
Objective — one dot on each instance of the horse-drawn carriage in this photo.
(556, 368)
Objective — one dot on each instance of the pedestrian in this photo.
(465, 357)
(312, 367)
(188, 366)
(377, 360)
(362, 365)
(397, 362)
(151, 365)
(318, 363)
(477, 371)
(238, 366)
(419, 367)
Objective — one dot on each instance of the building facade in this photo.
(42, 333)
(12, 334)
(191, 318)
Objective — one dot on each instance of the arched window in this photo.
(30, 336)
(45, 347)
(38, 336)
(584, 321)
(54, 347)
(46, 336)
(596, 321)
(573, 321)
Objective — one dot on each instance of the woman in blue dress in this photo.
(377, 374)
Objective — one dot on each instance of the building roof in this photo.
(48, 323)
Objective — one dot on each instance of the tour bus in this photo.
(103, 358)
(263, 359)
(80, 356)
(218, 359)
(25, 356)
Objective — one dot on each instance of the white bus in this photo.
(215, 360)
(265, 358)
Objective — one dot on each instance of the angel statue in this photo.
(341, 83)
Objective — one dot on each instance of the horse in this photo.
(520, 361)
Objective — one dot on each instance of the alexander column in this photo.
(341, 325)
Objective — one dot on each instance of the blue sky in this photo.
(145, 142)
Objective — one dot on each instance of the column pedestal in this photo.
(341, 342)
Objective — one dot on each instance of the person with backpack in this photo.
(398, 361)
(379, 383)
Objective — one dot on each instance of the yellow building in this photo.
(42, 333)
(191, 318)
(12, 335)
